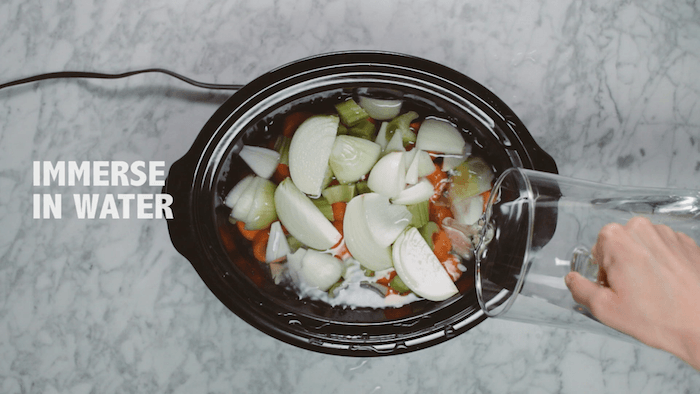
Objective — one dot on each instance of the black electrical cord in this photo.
(95, 75)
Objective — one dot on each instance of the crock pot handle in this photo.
(178, 184)
(541, 160)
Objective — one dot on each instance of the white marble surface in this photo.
(610, 88)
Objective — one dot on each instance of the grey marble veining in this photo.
(609, 88)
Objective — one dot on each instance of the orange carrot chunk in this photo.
(437, 176)
(260, 245)
(281, 172)
(247, 234)
(438, 212)
(443, 245)
(292, 122)
(339, 210)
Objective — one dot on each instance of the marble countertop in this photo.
(611, 89)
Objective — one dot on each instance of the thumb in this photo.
(583, 290)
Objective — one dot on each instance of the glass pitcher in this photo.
(540, 226)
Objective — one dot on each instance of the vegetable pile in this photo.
(366, 197)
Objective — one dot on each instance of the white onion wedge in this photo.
(277, 245)
(439, 136)
(309, 152)
(468, 211)
(381, 135)
(262, 161)
(472, 177)
(359, 240)
(294, 265)
(235, 193)
(384, 219)
(262, 211)
(242, 207)
(420, 165)
(419, 269)
(353, 157)
(388, 177)
(320, 270)
(421, 191)
(380, 109)
(425, 163)
(395, 144)
(302, 218)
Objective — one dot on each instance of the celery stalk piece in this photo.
(324, 206)
(339, 193)
(294, 244)
(427, 232)
(397, 284)
(402, 124)
(282, 146)
(364, 129)
(350, 112)
(420, 214)
(362, 187)
(381, 138)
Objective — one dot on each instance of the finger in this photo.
(688, 246)
(657, 239)
(612, 239)
(691, 251)
(589, 294)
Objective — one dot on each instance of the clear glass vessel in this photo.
(541, 226)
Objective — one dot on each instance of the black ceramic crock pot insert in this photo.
(201, 178)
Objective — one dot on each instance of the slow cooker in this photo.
(200, 179)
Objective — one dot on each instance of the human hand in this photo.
(648, 286)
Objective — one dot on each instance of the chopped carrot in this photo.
(437, 176)
(260, 245)
(293, 120)
(415, 126)
(438, 212)
(438, 179)
(443, 245)
(341, 251)
(247, 234)
(451, 265)
(339, 210)
(486, 195)
(338, 224)
(386, 280)
(281, 172)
